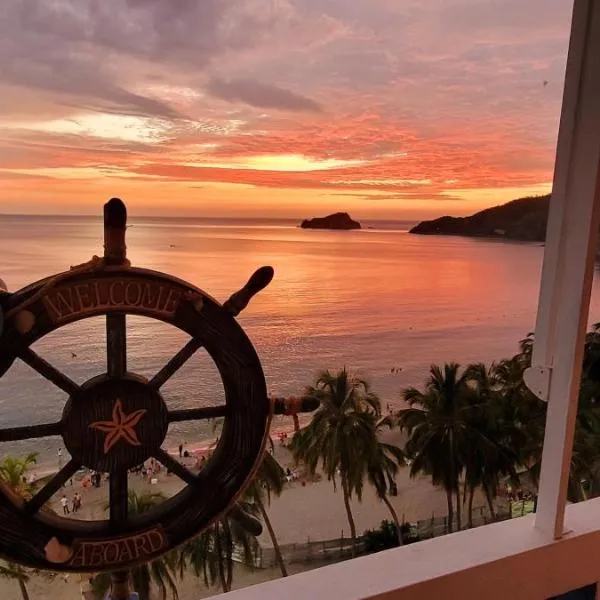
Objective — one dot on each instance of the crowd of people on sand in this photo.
(148, 471)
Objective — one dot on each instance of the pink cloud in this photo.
(450, 92)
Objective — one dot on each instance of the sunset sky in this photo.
(385, 108)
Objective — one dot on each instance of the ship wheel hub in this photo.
(114, 424)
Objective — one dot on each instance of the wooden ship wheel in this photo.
(117, 420)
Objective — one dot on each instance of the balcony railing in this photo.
(508, 560)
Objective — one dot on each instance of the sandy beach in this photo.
(313, 511)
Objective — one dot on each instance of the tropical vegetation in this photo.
(269, 481)
(471, 429)
(13, 473)
(157, 574)
(343, 439)
(212, 554)
(386, 537)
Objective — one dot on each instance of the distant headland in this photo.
(524, 219)
(340, 220)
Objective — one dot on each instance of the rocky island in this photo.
(523, 219)
(340, 220)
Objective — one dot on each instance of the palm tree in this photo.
(526, 349)
(296, 420)
(438, 431)
(269, 479)
(382, 467)
(10, 570)
(341, 435)
(211, 554)
(13, 472)
(528, 414)
(158, 573)
(493, 452)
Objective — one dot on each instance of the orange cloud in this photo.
(308, 106)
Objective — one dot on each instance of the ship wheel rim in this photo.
(245, 368)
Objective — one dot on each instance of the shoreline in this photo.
(44, 469)
(307, 511)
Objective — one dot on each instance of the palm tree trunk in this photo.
(229, 553)
(23, 589)
(276, 547)
(458, 509)
(470, 508)
(490, 501)
(349, 513)
(450, 510)
(394, 517)
(296, 422)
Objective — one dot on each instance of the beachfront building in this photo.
(556, 550)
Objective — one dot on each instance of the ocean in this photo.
(382, 302)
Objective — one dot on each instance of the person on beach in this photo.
(180, 450)
(64, 501)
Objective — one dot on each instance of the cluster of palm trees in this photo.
(467, 429)
(210, 556)
(344, 440)
(476, 427)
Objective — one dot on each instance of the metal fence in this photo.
(310, 551)
(338, 549)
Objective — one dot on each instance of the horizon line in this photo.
(230, 218)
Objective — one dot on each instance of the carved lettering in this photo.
(116, 297)
(83, 296)
(70, 302)
(78, 557)
(150, 296)
(96, 553)
(126, 553)
(60, 304)
(107, 553)
(140, 546)
(172, 300)
(133, 293)
(111, 552)
(155, 539)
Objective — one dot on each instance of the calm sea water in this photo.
(373, 300)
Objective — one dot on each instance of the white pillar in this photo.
(569, 256)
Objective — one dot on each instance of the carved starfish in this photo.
(121, 426)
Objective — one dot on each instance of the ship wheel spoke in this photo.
(30, 432)
(175, 467)
(45, 369)
(175, 363)
(52, 487)
(118, 497)
(116, 344)
(195, 414)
